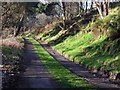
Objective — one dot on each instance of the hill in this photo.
(90, 41)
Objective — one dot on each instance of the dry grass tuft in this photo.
(12, 42)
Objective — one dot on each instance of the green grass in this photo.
(10, 51)
(96, 51)
(73, 44)
(11, 59)
(63, 76)
(96, 54)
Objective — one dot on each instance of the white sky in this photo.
(45, 1)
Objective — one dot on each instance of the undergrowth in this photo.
(11, 61)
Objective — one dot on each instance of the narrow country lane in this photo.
(34, 75)
(63, 44)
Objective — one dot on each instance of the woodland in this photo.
(62, 35)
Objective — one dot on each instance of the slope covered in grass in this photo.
(100, 54)
(96, 45)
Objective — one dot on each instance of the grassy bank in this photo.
(96, 45)
(63, 76)
(11, 60)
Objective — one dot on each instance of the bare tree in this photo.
(106, 6)
(86, 6)
(103, 8)
(91, 6)
(99, 7)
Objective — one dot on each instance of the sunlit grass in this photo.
(63, 76)
(92, 50)
(91, 53)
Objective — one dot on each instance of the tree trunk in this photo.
(86, 6)
(99, 7)
(77, 8)
(64, 17)
(106, 4)
(81, 6)
(91, 7)
(19, 26)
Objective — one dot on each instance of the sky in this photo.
(45, 1)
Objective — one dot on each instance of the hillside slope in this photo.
(90, 41)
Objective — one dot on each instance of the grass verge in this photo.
(63, 76)
(11, 61)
